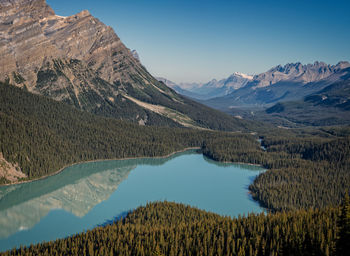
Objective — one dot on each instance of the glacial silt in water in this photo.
(90, 194)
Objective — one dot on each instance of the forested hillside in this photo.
(333, 102)
(42, 135)
(175, 229)
(304, 170)
(307, 168)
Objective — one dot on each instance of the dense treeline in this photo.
(240, 148)
(175, 229)
(43, 135)
(304, 171)
(316, 173)
(307, 168)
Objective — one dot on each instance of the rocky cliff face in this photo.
(31, 35)
(81, 61)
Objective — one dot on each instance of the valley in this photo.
(100, 156)
(287, 96)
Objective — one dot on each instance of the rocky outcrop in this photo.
(10, 172)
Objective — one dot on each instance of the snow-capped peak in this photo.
(243, 75)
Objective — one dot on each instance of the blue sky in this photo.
(196, 41)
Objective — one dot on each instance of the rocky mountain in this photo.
(169, 83)
(298, 73)
(329, 106)
(211, 89)
(283, 83)
(82, 62)
(289, 82)
(181, 88)
(335, 95)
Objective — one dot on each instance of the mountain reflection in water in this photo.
(76, 190)
(86, 195)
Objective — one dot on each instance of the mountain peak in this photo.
(81, 61)
(242, 75)
(342, 64)
(83, 13)
(296, 72)
(320, 63)
(33, 25)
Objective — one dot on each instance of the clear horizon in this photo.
(187, 41)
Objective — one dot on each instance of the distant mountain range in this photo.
(290, 82)
(81, 61)
(211, 89)
(288, 96)
(327, 106)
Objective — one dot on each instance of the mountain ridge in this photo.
(298, 72)
(329, 106)
(293, 73)
(82, 62)
(213, 88)
(282, 83)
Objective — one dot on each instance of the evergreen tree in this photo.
(343, 242)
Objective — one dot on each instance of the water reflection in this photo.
(249, 167)
(77, 197)
(86, 195)
(76, 190)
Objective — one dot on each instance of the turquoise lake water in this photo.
(86, 195)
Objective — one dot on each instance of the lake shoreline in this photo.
(92, 195)
(229, 162)
(97, 160)
(126, 158)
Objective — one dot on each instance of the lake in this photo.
(86, 195)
